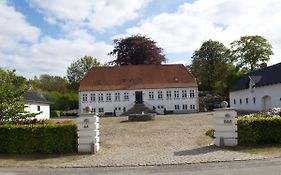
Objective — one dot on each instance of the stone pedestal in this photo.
(225, 121)
(88, 133)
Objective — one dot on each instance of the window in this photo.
(93, 97)
(254, 100)
(117, 96)
(108, 96)
(169, 94)
(184, 107)
(191, 93)
(177, 107)
(101, 110)
(151, 95)
(38, 108)
(176, 94)
(247, 100)
(93, 110)
(184, 94)
(160, 95)
(126, 96)
(192, 106)
(100, 97)
(240, 101)
(84, 98)
(234, 101)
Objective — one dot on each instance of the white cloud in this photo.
(14, 29)
(96, 14)
(53, 56)
(21, 48)
(225, 20)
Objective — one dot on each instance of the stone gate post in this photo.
(225, 125)
(88, 132)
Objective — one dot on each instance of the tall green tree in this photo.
(77, 70)
(12, 88)
(250, 51)
(51, 83)
(136, 49)
(209, 63)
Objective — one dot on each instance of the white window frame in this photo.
(184, 94)
(192, 106)
(169, 95)
(160, 95)
(151, 95)
(126, 96)
(100, 97)
(117, 96)
(177, 107)
(101, 110)
(192, 94)
(84, 97)
(176, 94)
(108, 96)
(93, 97)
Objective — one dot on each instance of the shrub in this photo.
(56, 113)
(38, 138)
(210, 133)
(259, 130)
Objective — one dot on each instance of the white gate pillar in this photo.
(88, 132)
(225, 121)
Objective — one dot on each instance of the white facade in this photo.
(256, 99)
(38, 107)
(178, 100)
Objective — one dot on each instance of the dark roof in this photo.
(137, 77)
(262, 77)
(34, 97)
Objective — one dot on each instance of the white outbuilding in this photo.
(259, 90)
(36, 104)
(132, 88)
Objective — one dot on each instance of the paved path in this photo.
(261, 167)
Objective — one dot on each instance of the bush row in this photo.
(259, 130)
(38, 138)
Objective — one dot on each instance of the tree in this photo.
(136, 49)
(77, 70)
(49, 83)
(250, 51)
(12, 88)
(209, 64)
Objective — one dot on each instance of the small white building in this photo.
(36, 104)
(161, 88)
(259, 90)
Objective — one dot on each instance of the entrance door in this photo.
(138, 95)
(266, 103)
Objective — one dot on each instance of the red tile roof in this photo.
(137, 77)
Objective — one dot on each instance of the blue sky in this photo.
(44, 37)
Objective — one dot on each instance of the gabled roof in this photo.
(137, 77)
(262, 77)
(33, 97)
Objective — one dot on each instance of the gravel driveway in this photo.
(171, 139)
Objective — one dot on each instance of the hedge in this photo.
(259, 130)
(56, 113)
(38, 138)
